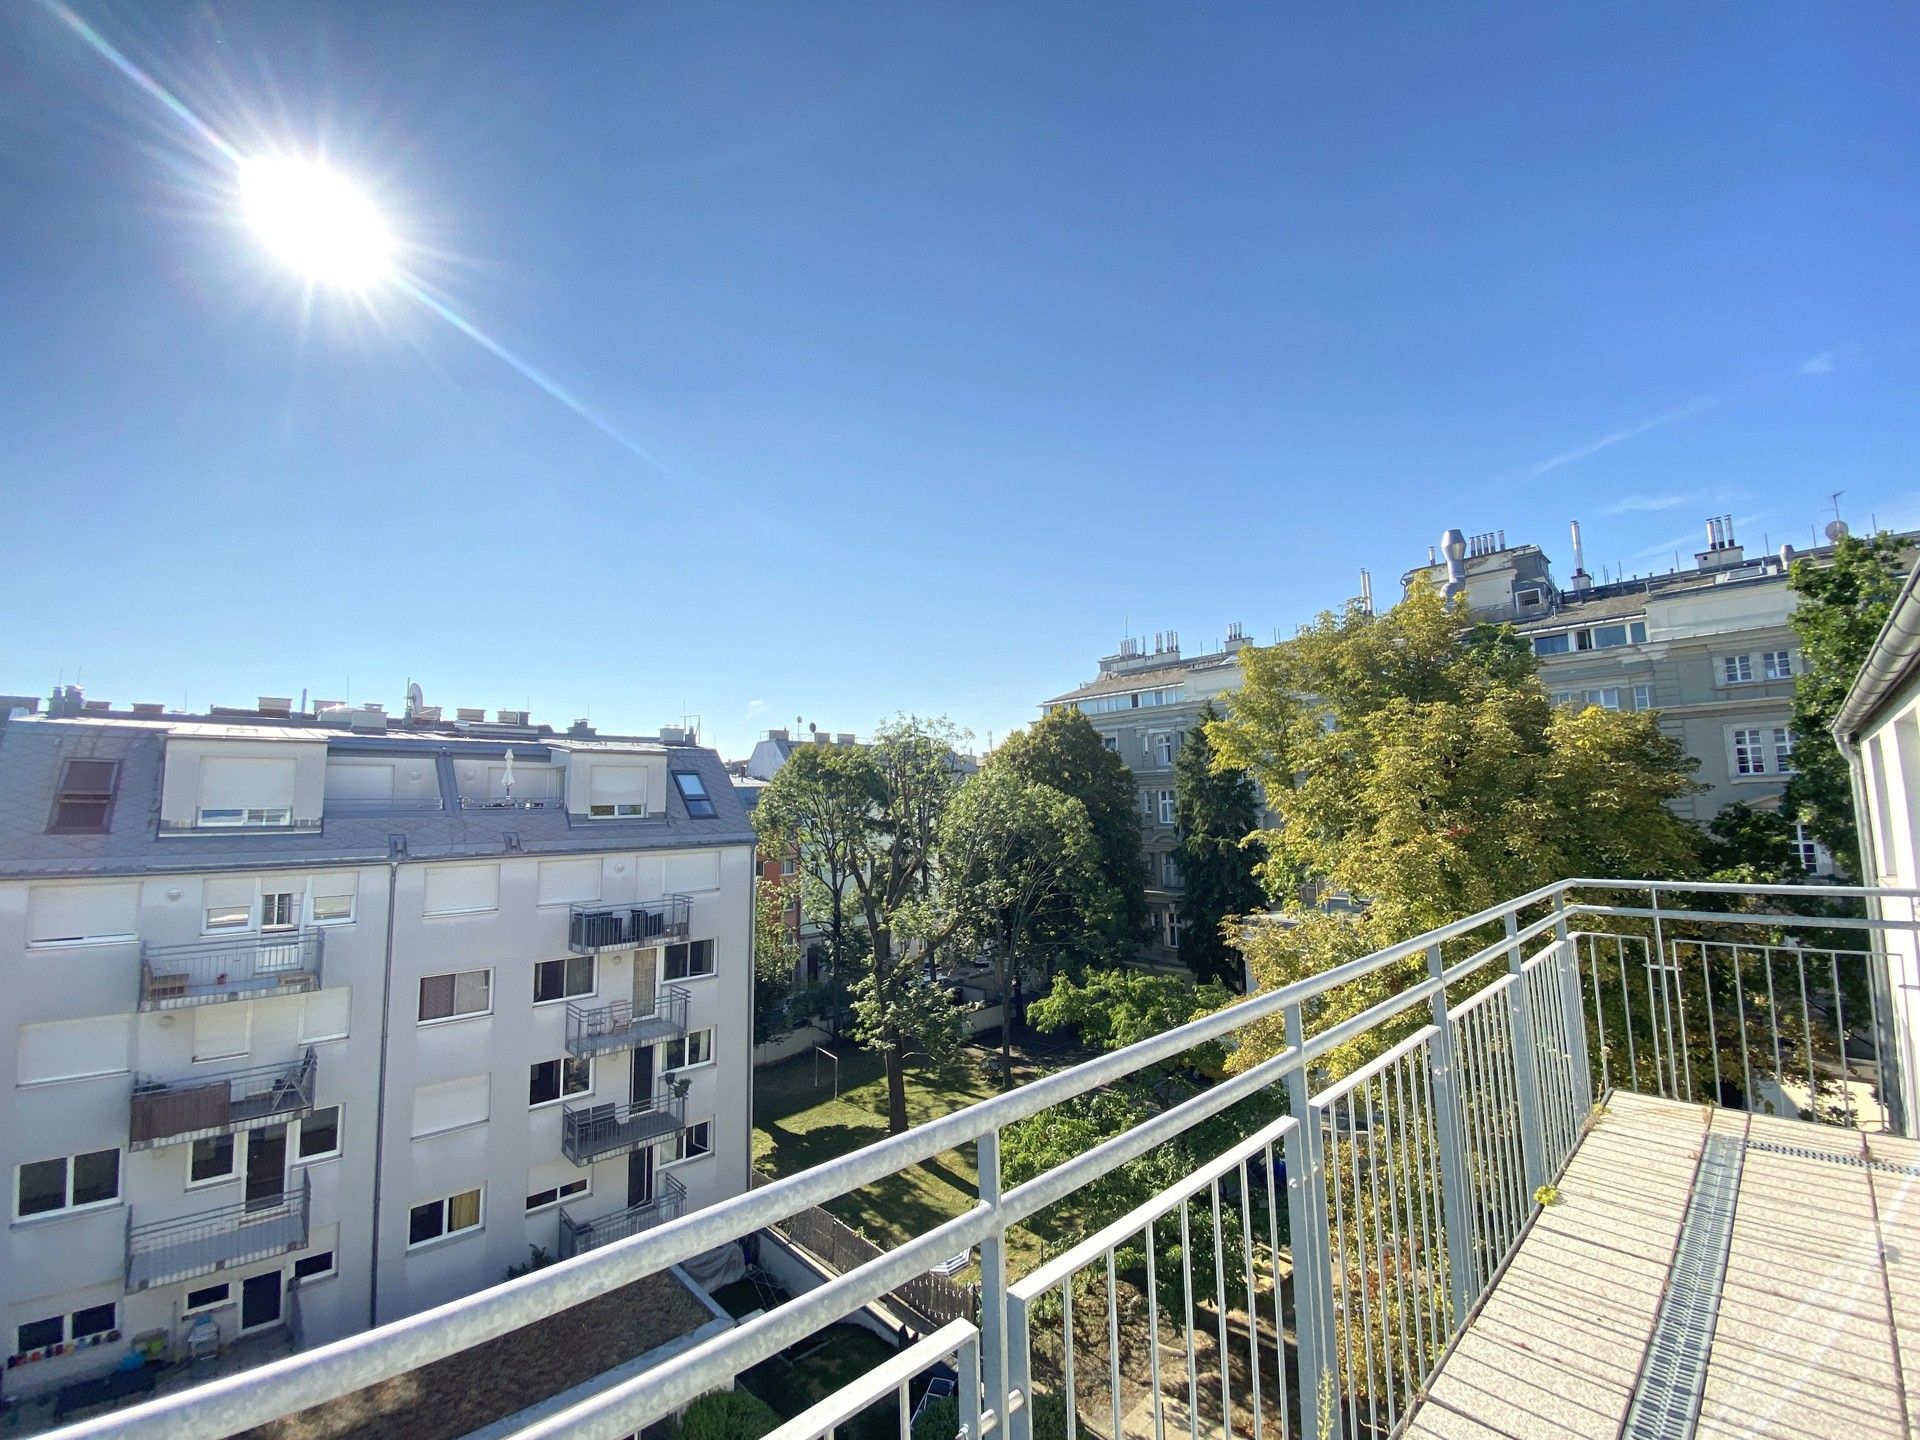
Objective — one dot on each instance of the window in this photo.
(617, 792)
(72, 1049)
(68, 914)
(1782, 750)
(1532, 595)
(551, 1080)
(1806, 849)
(562, 979)
(553, 1195)
(1736, 669)
(221, 1032)
(1748, 757)
(1605, 637)
(44, 1187)
(1163, 748)
(1166, 807)
(696, 1140)
(227, 917)
(462, 889)
(279, 910)
(1777, 665)
(564, 882)
(208, 1297)
(1146, 803)
(452, 997)
(693, 790)
(689, 961)
(212, 1159)
(83, 801)
(1112, 742)
(319, 1135)
(1170, 869)
(1643, 697)
(693, 1048)
(452, 1105)
(438, 1219)
(84, 1324)
(1607, 699)
(1552, 644)
(1637, 632)
(261, 815)
(324, 1015)
(788, 867)
(1562, 697)
(314, 1267)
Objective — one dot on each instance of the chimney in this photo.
(65, 702)
(843, 738)
(278, 705)
(780, 734)
(97, 707)
(510, 717)
(149, 707)
(470, 716)
(1721, 548)
(1453, 545)
(1581, 580)
(821, 737)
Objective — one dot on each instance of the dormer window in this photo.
(244, 793)
(618, 792)
(693, 790)
(83, 803)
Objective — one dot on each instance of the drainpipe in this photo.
(380, 1104)
(1899, 1097)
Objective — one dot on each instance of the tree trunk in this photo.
(896, 1088)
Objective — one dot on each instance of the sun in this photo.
(316, 221)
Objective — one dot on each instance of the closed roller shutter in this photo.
(449, 1106)
(68, 1049)
(227, 784)
(82, 912)
(462, 889)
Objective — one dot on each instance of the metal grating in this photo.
(1666, 1401)
(1834, 1157)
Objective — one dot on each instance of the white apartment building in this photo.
(316, 1021)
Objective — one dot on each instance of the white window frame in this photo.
(1806, 849)
(458, 1015)
(1606, 698)
(1643, 697)
(279, 903)
(1780, 748)
(1776, 664)
(682, 1046)
(225, 1287)
(680, 1143)
(236, 1160)
(620, 810)
(564, 962)
(561, 1093)
(1163, 747)
(299, 1128)
(1167, 801)
(1736, 669)
(67, 1335)
(225, 817)
(69, 1208)
(446, 1236)
(316, 901)
(332, 1258)
(1747, 759)
(559, 1194)
(231, 917)
(713, 961)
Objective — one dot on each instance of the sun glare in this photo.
(316, 221)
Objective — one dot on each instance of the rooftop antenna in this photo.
(1836, 503)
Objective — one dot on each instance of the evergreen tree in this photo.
(1216, 809)
(1842, 607)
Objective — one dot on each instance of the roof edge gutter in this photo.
(1895, 650)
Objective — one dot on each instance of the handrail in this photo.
(281, 1387)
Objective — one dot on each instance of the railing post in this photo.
(993, 1282)
(1526, 1067)
(1573, 1003)
(969, 1368)
(1307, 1229)
(1463, 1269)
(1020, 1368)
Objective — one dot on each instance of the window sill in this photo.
(452, 1020)
(690, 1160)
(454, 1130)
(441, 1241)
(323, 1159)
(689, 1069)
(71, 1212)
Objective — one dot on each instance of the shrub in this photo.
(939, 1420)
(726, 1415)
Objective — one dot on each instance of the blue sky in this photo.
(959, 340)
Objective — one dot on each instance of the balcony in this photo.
(579, 1236)
(1613, 1158)
(595, 926)
(623, 1025)
(162, 1251)
(171, 1112)
(237, 967)
(590, 1131)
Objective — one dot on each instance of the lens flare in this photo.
(316, 221)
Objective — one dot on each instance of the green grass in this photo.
(798, 1124)
(848, 1353)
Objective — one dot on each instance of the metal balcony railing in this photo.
(517, 802)
(625, 1025)
(579, 1236)
(161, 1251)
(595, 926)
(235, 967)
(296, 825)
(1337, 1208)
(592, 1130)
(168, 1112)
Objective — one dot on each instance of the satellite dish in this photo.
(416, 701)
(1837, 531)
(812, 729)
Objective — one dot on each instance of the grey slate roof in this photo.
(31, 751)
(1152, 679)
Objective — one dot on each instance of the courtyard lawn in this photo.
(798, 1123)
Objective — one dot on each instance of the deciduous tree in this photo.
(1841, 608)
(1216, 811)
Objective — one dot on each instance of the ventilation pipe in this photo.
(1453, 544)
(1581, 580)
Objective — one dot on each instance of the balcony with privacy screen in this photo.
(236, 967)
(171, 1112)
(1612, 1158)
(596, 926)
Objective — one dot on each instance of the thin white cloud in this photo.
(1616, 437)
(1825, 363)
(1646, 504)
(754, 707)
